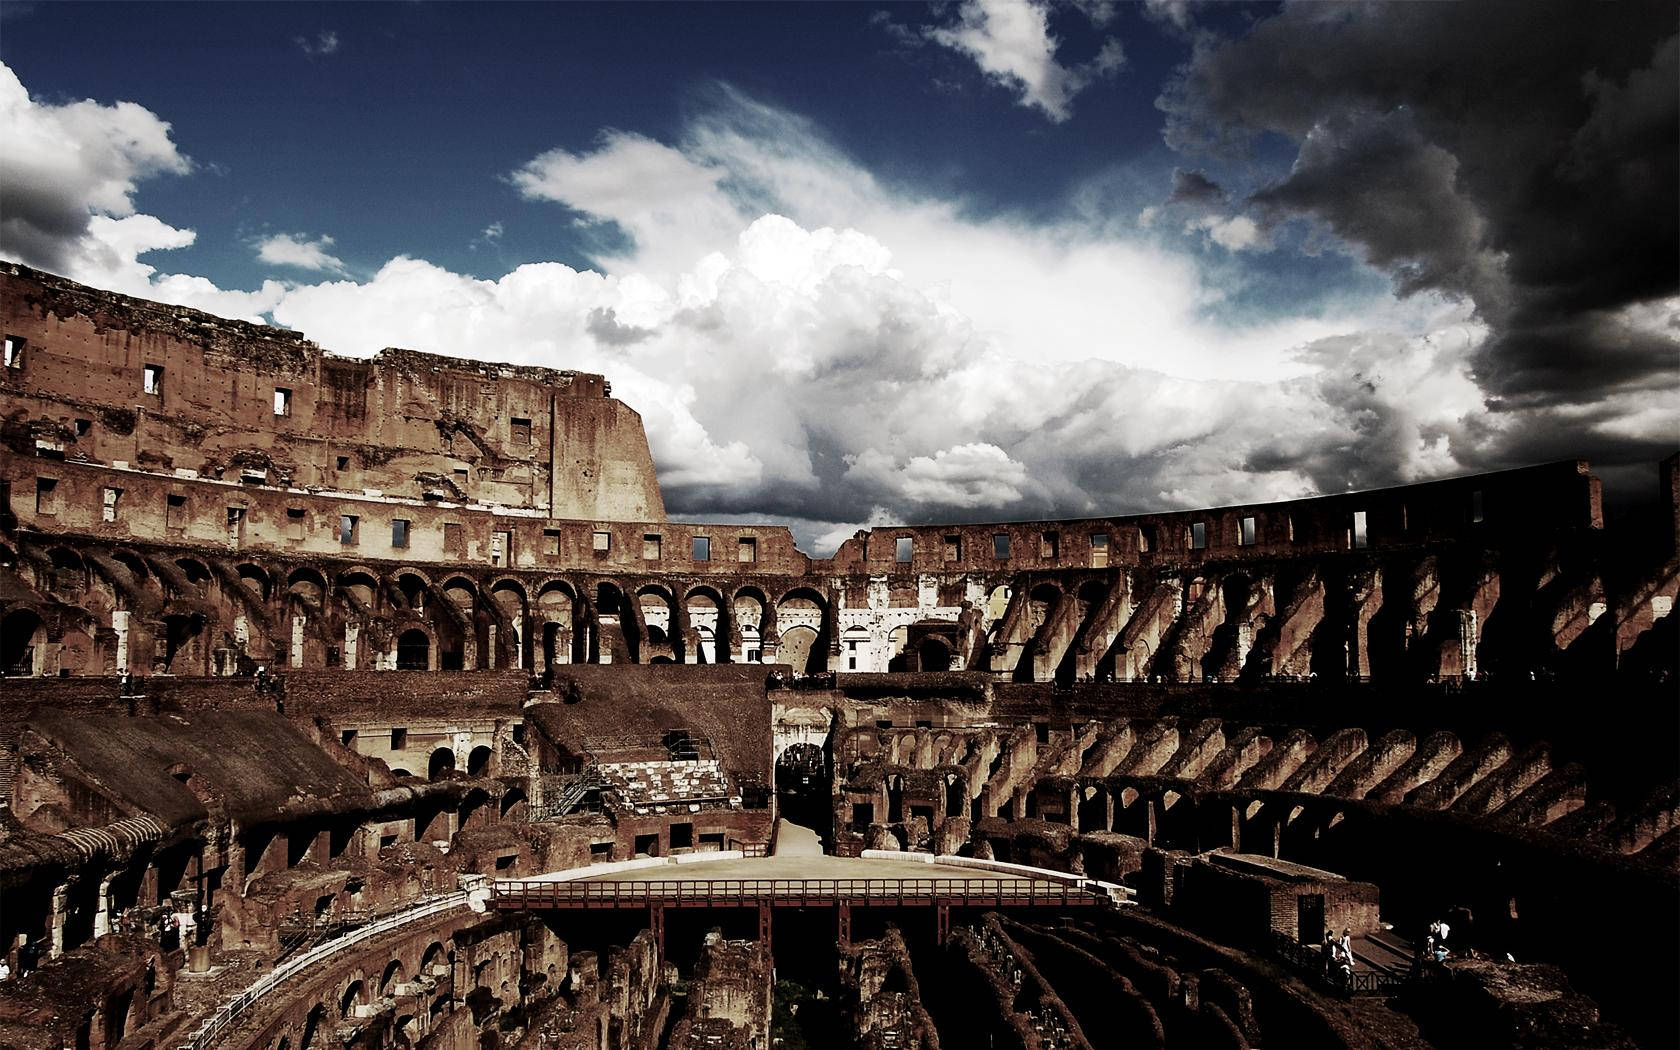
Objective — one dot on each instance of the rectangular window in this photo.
(175, 513)
(1099, 550)
(501, 548)
(1000, 546)
(151, 380)
(83, 427)
(235, 525)
(601, 541)
(294, 523)
(904, 547)
(46, 495)
(1358, 537)
(454, 539)
(14, 352)
(1476, 505)
(399, 739)
(1198, 535)
(109, 510)
(1246, 532)
(1146, 538)
(650, 547)
(953, 548)
(399, 532)
(551, 543)
(342, 462)
(519, 431)
(347, 530)
(282, 401)
(747, 549)
(1049, 545)
(702, 548)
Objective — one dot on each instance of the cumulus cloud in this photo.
(807, 344)
(62, 165)
(299, 251)
(1011, 42)
(321, 44)
(1521, 158)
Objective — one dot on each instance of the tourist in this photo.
(5, 969)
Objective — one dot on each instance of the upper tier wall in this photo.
(113, 379)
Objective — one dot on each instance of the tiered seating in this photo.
(666, 787)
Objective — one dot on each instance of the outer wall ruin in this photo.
(306, 648)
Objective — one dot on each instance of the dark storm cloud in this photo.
(1521, 155)
(1195, 189)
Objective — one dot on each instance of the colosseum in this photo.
(375, 702)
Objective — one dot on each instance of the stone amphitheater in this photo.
(376, 703)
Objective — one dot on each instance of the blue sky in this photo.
(862, 262)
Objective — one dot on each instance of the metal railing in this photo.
(224, 1017)
(515, 893)
(1310, 962)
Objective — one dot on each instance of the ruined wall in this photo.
(112, 379)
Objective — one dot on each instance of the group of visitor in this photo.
(1435, 948)
(1338, 957)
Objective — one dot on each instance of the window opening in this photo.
(282, 401)
(399, 532)
(903, 548)
(702, 548)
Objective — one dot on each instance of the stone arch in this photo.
(615, 624)
(803, 787)
(478, 761)
(131, 561)
(510, 799)
(559, 612)
(435, 953)
(413, 586)
(196, 572)
(354, 994)
(750, 611)
(361, 588)
(23, 637)
(394, 975)
(68, 571)
(798, 647)
(933, 654)
(307, 584)
(511, 598)
(663, 620)
(312, 1026)
(414, 650)
(441, 764)
(709, 619)
(803, 607)
(256, 578)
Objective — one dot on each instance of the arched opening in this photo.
(511, 800)
(351, 998)
(705, 616)
(804, 792)
(478, 761)
(955, 797)
(441, 764)
(392, 977)
(360, 589)
(413, 589)
(179, 634)
(750, 610)
(659, 614)
(308, 586)
(452, 650)
(194, 571)
(312, 1025)
(414, 651)
(22, 636)
(509, 597)
(68, 572)
(617, 639)
(934, 654)
(555, 608)
(798, 649)
(256, 579)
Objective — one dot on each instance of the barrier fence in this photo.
(229, 1012)
(514, 893)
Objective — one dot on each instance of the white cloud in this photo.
(1234, 233)
(1010, 41)
(63, 165)
(323, 43)
(806, 343)
(297, 250)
